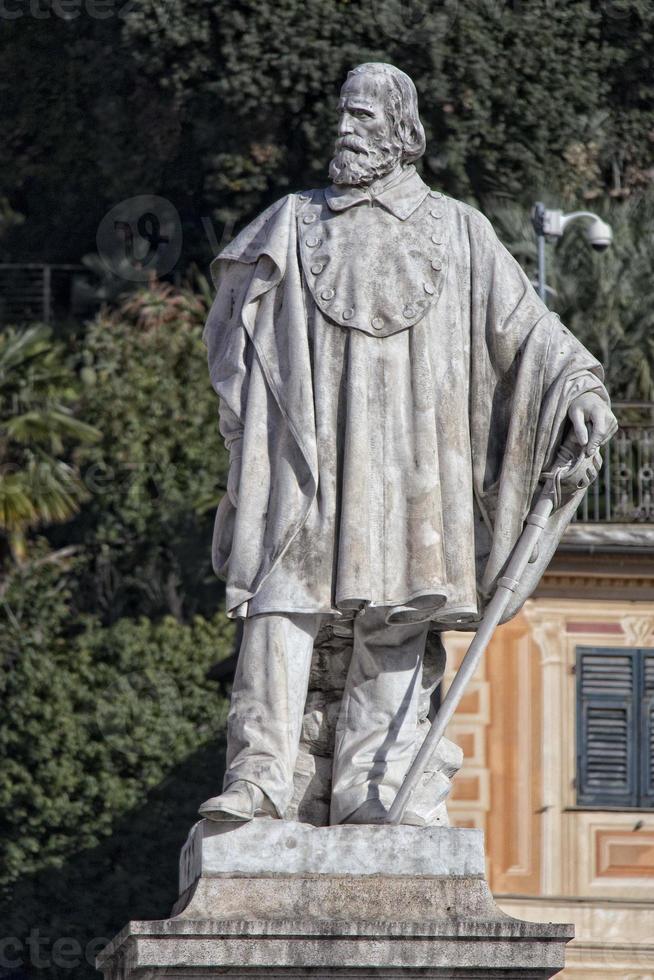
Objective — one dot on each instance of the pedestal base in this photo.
(280, 900)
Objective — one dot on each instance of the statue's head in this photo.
(379, 125)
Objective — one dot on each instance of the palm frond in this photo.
(49, 426)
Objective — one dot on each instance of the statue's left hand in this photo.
(593, 421)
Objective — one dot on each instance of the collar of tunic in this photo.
(374, 262)
(401, 197)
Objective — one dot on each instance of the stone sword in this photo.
(569, 466)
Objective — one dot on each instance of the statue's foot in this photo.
(240, 801)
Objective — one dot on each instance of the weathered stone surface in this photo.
(331, 659)
(271, 847)
(337, 898)
(196, 950)
(312, 785)
(319, 727)
(433, 668)
(281, 899)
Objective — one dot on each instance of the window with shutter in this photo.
(615, 727)
(606, 745)
(647, 728)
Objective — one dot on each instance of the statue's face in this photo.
(367, 147)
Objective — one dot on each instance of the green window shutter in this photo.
(607, 727)
(647, 729)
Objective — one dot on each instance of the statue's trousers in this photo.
(376, 730)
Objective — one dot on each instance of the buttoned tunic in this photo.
(387, 377)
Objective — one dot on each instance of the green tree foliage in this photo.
(110, 733)
(503, 87)
(55, 126)
(223, 106)
(605, 298)
(108, 739)
(39, 435)
(156, 475)
(627, 44)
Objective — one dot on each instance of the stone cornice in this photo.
(608, 537)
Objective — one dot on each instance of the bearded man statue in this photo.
(391, 390)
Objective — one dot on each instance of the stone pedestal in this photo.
(281, 899)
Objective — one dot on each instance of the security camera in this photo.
(599, 235)
(549, 223)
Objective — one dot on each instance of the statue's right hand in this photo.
(234, 479)
(582, 472)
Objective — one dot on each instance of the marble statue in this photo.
(391, 389)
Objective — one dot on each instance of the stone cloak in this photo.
(522, 369)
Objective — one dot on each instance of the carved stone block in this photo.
(285, 900)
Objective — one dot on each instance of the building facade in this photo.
(558, 734)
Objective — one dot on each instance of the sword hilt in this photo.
(571, 462)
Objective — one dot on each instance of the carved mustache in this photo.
(353, 143)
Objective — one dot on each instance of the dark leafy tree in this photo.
(157, 473)
(109, 740)
(221, 107)
(40, 437)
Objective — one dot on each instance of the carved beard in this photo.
(358, 161)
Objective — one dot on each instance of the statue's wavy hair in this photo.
(402, 107)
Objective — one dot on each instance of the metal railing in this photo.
(624, 489)
(37, 291)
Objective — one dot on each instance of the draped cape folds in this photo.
(504, 371)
